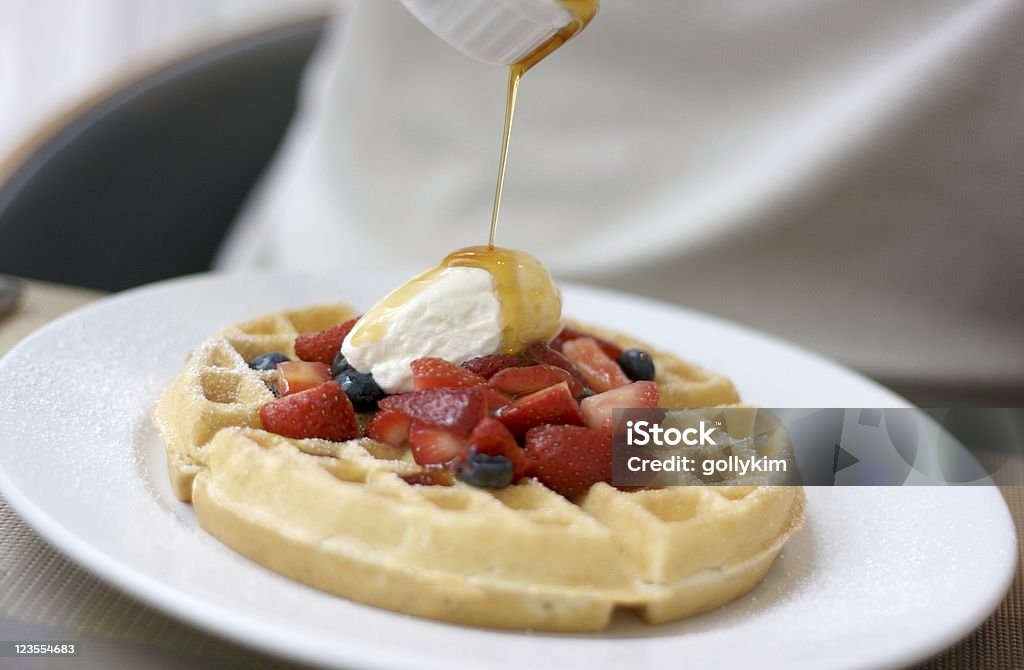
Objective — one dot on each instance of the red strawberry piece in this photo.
(437, 373)
(432, 445)
(492, 437)
(297, 376)
(554, 404)
(597, 409)
(389, 428)
(568, 334)
(600, 372)
(455, 409)
(323, 411)
(323, 345)
(569, 459)
(487, 366)
(516, 381)
(541, 353)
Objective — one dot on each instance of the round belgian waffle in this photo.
(340, 517)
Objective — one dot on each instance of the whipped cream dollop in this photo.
(479, 301)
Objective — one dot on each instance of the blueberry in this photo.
(361, 389)
(638, 365)
(486, 471)
(340, 364)
(268, 361)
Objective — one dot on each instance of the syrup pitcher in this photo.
(504, 33)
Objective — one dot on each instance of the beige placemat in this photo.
(44, 596)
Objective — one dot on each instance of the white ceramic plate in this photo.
(879, 578)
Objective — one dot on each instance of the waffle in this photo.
(218, 389)
(340, 516)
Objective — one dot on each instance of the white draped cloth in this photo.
(846, 175)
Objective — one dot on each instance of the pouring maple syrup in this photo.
(583, 12)
(518, 276)
(530, 303)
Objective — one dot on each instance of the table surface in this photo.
(44, 596)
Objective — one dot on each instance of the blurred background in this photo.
(56, 53)
(846, 176)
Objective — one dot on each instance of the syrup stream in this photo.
(583, 11)
(515, 73)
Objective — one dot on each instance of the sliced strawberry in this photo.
(437, 373)
(568, 334)
(455, 409)
(554, 404)
(541, 353)
(492, 437)
(516, 381)
(323, 411)
(569, 459)
(389, 428)
(494, 398)
(597, 409)
(323, 345)
(600, 372)
(432, 445)
(297, 376)
(487, 366)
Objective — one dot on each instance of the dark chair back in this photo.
(143, 184)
